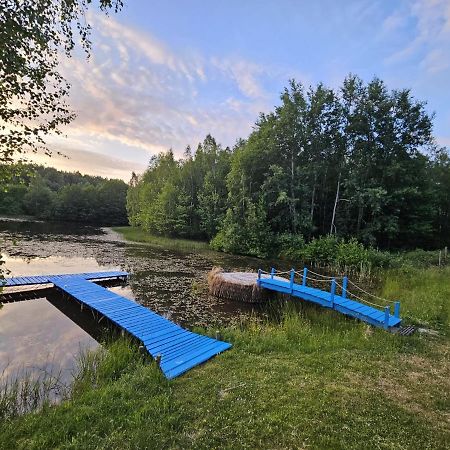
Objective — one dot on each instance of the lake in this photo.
(44, 334)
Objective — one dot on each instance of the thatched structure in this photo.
(239, 286)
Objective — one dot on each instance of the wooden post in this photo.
(333, 291)
(344, 287)
(272, 273)
(386, 317)
(158, 360)
(218, 336)
(305, 274)
(292, 280)
(445, 253)
(440, 257)
(258, 281)
(397, 309)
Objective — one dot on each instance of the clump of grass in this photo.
(105, 364)
(423, 293)
(135, 234)
(23, 392)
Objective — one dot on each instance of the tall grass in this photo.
(26, 391)
(135, 234)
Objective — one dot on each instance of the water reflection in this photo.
(51, 265)
(36, 336)
(36, 333)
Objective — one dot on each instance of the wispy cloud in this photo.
(135, 92)
(89, 162)
(431, 34)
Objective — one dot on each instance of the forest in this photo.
(50, 194)
(357, 163)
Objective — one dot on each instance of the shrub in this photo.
(351, 255)
(321, 251)
(290, 245)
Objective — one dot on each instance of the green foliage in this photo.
(38, 199)
(321, 251)
(250, 236)
(346, 170)
(47, 193)
(290, 246)
(351, 162)
(33, 37)
(181, 198)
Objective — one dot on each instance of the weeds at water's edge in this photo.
(26, 391)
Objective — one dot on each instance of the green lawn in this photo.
(138, 235)
(308, 379)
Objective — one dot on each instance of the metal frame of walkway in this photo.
(343, 303)
(177, 350)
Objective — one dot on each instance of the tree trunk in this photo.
(292, 207)
(336, 200)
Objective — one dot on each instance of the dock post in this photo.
(272, 273)
(305, 274)
(344, 287)
(333, 291)
(292, 280)
(397, 309)
(386, 317)
(258, 281)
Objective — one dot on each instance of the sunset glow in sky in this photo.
(164, 74)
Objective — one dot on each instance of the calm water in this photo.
(46, 333)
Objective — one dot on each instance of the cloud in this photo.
(89, 162)
(138, 94)
(430, 21)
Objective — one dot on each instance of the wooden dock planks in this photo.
(44, 279)
(178, 349)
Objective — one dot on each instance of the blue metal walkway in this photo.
(331, 299)
(176, 349)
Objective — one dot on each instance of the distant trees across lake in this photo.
(358, 162)
(47, 193)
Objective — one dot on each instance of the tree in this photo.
(33, 35)
(39, 199)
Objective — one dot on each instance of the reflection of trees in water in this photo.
(161, 279)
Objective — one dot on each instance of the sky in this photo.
(163, 74)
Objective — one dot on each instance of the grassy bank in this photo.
(306, 378)
(138, 235)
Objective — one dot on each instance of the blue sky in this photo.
(163, 74)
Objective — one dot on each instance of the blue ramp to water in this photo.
(179, 349)
(341, 304)
(44, 279)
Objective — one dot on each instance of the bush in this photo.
(321, 251)
(290, 246)
(352, 255)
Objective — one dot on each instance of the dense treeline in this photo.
(47, 193)
(356, 162)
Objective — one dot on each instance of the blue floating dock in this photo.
(178, 350)
(341, 303)
(43, 279)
